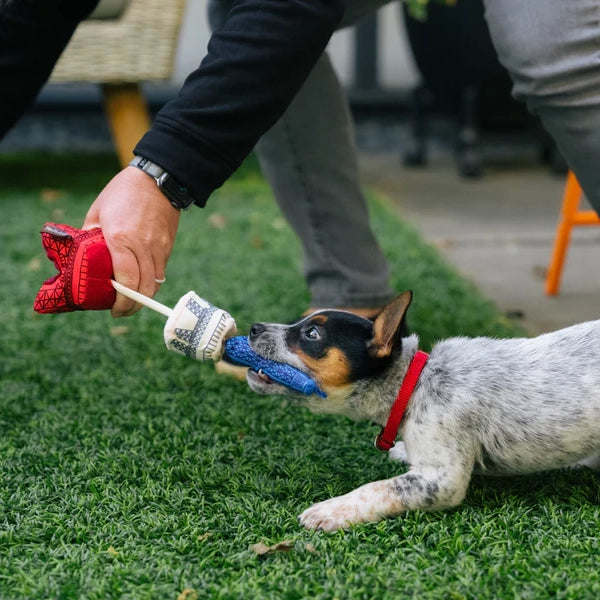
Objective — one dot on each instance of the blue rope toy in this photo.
(238, 352)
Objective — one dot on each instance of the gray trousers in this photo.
(551, 49)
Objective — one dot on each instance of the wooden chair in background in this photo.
(121, 45)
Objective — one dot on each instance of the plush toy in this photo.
(84, 271)
(238, 352)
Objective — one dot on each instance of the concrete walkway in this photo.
(498, 232)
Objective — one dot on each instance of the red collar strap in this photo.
(386, 438)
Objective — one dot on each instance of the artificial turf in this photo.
(127, 471)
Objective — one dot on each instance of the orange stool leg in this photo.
(569, 217)
(571, 199)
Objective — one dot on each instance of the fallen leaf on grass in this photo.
(204, 536)
(49, 195)
(35, 264)
(119, 330)
(188, 594)
(310, 548)
(218, 221)
(256, 242)
(112, 552)
(262, 549)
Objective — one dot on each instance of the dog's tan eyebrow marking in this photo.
(320, 313)
(333, 370)
(321, 319)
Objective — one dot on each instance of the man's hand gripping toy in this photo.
(194, 327)
(84, 281)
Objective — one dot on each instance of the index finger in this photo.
(126, 272)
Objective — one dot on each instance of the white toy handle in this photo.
(194, 328)
(145, 300)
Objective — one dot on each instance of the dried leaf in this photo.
(35, 264)
(112, 552)
(445, 244)
(218, 221)
(119, 330)
(188, 594)
(515, 313)
(310, 548)
(262, 549)
(50, 195)
(204, 536)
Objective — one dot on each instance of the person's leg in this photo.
(33, 34)
(551, 49)
(309, 159)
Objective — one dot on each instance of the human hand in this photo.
(139, 225)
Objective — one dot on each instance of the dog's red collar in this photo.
(385, 439)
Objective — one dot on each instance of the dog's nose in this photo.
(256, 330)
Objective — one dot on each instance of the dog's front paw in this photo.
(336, 513)
(329, 515)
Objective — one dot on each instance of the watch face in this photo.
(179, 195)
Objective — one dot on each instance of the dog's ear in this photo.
(388, 325)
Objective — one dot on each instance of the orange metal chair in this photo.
(570, 216)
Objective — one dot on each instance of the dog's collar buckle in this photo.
(385, 439)
(382, 444)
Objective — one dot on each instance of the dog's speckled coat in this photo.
(493, 405)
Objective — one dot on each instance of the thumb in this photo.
(92, 219)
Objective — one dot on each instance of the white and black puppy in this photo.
(497, 406)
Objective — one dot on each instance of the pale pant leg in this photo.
(309, 158)
(551, 49)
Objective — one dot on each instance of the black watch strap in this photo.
(176, 193)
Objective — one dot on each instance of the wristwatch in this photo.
(176, 193)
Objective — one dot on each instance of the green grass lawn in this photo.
(127, 471)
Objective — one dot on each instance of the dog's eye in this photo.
(312, 333)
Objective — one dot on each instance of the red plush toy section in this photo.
(84, 269)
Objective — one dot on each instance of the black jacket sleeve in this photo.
(254, 66)
(33, 34)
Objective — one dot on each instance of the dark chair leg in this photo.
(416, 155)
(468, 156)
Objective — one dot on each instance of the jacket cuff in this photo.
(194, 165)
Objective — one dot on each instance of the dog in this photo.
(496, 406)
